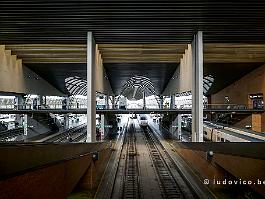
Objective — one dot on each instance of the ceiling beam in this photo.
(136, 53)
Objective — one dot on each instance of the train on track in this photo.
(143, 121)
(218, 133)
(221, 133)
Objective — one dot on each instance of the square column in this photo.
(172, 101)
(65, 103)
(91, 93)
(179, 132)
(18, 101)
(197, 88)
(113, 102)
(107, 102)
(161, 102)
(42, 100)
(102, 127)
(144, 102)
(66, 121)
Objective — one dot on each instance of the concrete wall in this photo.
(38, 183)
(238, 92)
(102, 84)
(244, 122)
(56, 181)
(17, 78)
(182, 77)
(245, 161)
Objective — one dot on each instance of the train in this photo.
(143, 121)
(218, 133)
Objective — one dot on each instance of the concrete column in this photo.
(173, 127)
(113, 102)
(161, 102)
(172, 101)
(91, 93)
(25, 124)
(44, 101)
(19, 102)
(66, 121)
(41, 102)
(107, 101)
(258, 122)
(102, 126)
(65, 103)
(197, 88)
(179, 132)
(144, 102)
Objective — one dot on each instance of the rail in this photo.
(129, 178)
(9, 134)
(131, 186)
(170, 185)
(65, 135)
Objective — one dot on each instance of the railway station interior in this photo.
(132, 99)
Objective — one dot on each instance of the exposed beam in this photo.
(54, 60)
(137, 53)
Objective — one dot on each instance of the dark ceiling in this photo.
(138, 21)
(55, 74)
(224, 73)
(133, 22)
(158, 73)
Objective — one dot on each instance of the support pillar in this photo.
(66, 121)
(173, 127)
(144, 102)
(179, 132)
(65, 103)
(107, 101)
(197, 88)
(113, 102)
(102, 127)
(258, 122)
(161, 102)
(25, 124)
(172, 101)
(41, 101)
(91, 93)
(45, 100)
(19, 102)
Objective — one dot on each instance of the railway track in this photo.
(75, 132)
(131, 187)
(10, 134)
(168, 184)
(129, 177)
(81, 137)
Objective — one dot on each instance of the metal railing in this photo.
(226, 106)
(73, 107)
